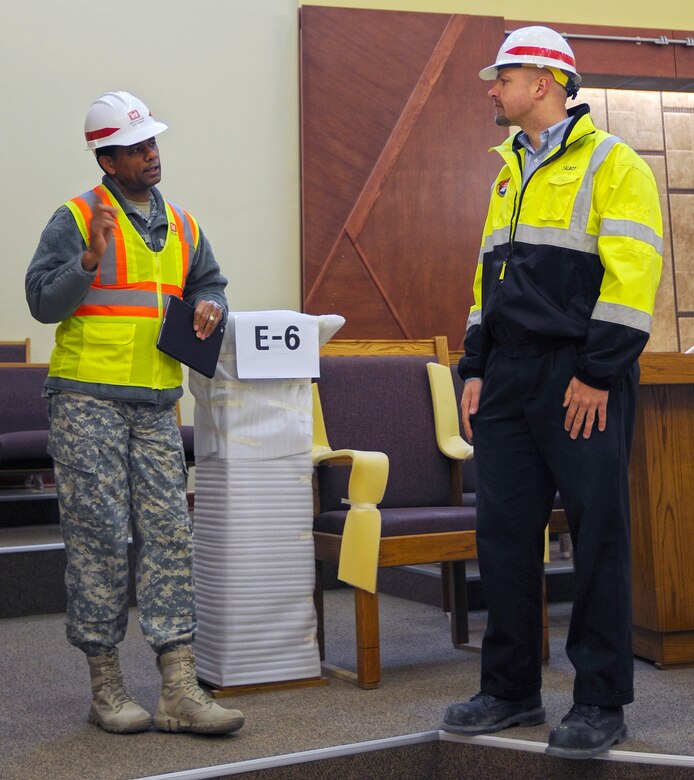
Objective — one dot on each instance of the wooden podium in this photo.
(662, 510)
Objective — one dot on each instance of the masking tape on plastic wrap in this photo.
(266, 418)
(253, 419)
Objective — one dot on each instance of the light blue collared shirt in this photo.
(549, 140)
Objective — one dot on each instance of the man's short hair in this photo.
(105, 151)
(109, 151)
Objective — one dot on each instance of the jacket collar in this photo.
(581, 125)
(112, 187)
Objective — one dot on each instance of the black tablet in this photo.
(177, 338)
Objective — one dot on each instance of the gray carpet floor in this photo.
(43, 718)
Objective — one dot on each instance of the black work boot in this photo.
(485, 714)
(586, 731)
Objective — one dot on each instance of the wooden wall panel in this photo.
(395, 173)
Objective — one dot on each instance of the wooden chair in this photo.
(15, 351)
(374, 396)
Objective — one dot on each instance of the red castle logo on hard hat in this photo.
(501, 187)
(134, 114)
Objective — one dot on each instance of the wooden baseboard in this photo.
(667, 650)
(237, 690)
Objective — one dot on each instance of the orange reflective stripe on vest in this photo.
(129, 265)
(187, 229)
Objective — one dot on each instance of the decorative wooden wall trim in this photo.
(395, 176)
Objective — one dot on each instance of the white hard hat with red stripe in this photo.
(538, 46)
(119, 119)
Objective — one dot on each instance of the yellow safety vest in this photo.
(111, 336)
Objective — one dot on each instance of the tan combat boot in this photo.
(183, 705)
(112, 707)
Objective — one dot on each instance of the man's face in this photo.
(512, 94)
(135, 168)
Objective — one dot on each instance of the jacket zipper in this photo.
(518, 202)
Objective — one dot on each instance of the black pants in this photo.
(522, 455)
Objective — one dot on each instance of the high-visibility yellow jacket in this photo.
(572, 256)
(111, 336)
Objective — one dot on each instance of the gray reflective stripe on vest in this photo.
(637, 230)
(107, 264)
(559, 237)
(610, 227)
(97, 296)
(584, 196)
(187, 227)
(495, 238)
(619, 314)
(474, 318)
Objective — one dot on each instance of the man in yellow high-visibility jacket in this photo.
(563, 299)
(105, 266)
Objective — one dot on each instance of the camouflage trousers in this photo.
(119, 467)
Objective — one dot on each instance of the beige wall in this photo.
(224, 75)
(672, 14)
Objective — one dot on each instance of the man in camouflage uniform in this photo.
(104, 268)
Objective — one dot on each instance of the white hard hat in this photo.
(537, 46)
(119, 119)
